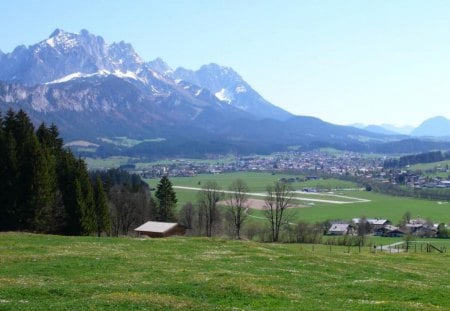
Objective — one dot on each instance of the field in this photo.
(363, 203)
(40, 272)
(96, 163)
(435, 169)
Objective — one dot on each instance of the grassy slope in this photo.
(73, 273)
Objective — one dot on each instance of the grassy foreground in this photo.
(72, 273)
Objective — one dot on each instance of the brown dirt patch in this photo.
(259, 204)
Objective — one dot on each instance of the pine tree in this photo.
(167, 200)
(101, 209)
(88, 220)
(9, 179)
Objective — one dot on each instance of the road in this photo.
(356, 200)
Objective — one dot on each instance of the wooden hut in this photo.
(156, 229)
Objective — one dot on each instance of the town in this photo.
(312, 163)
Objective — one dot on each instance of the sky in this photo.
(345, 62)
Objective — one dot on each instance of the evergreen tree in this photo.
(101, 209)
(89, 223)
(167, 200)
(44, 188)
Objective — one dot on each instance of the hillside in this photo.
(72, 273)
(437, 126)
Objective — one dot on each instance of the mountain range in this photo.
(438, 127)
(93, 90)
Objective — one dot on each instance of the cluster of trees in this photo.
(44, 188)
(426, 157)
(128, 200)
(207, 219)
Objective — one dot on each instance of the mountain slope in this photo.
(92, 89)
(438, 127)
(229, 87)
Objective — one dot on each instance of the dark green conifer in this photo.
(167, 200)
(101, 208)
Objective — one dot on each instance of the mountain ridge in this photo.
(438, 126)
(92, 89)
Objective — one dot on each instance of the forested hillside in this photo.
(44, 188)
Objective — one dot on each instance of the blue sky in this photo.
(342, 61)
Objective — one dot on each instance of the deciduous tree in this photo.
(236, 201)
(278, 198)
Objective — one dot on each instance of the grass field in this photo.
(39, 272)
(379, 205)
(96, 163)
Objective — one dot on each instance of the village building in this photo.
(389, 231)
(340, 229)
(156, 229)
(375, 223)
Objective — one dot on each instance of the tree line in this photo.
(426, 157)
(44, 187)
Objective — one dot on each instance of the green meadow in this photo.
(44, 272)
(379, 205)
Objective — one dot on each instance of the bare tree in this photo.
(128, 209)
(207, 205)
(186, 215)
(236, 201)
(279, 196)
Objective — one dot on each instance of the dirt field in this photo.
(259, 204)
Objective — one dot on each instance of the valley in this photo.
(276, 210)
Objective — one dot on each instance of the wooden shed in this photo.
(156, 229)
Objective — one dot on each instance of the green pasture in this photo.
(106, 163)
(430, 166)
(257, 181)
(380, 206)
(40, 272)
(142, 164)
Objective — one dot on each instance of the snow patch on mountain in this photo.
(63, 39)
(241, 89)
(224, 95)
(117, 73)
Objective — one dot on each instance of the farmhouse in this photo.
(340, 229)
(374, 223)
(389, 231)
(157, 229)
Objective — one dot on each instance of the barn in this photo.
(156, 229)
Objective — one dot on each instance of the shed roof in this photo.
(372, 221)
(156, 226)
(339, 228)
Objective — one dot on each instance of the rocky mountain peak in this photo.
(160, 66)
(229, 87)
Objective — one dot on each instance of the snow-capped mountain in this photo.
(228, 86)
(160, 66)
(93, 89)
(64, 54)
